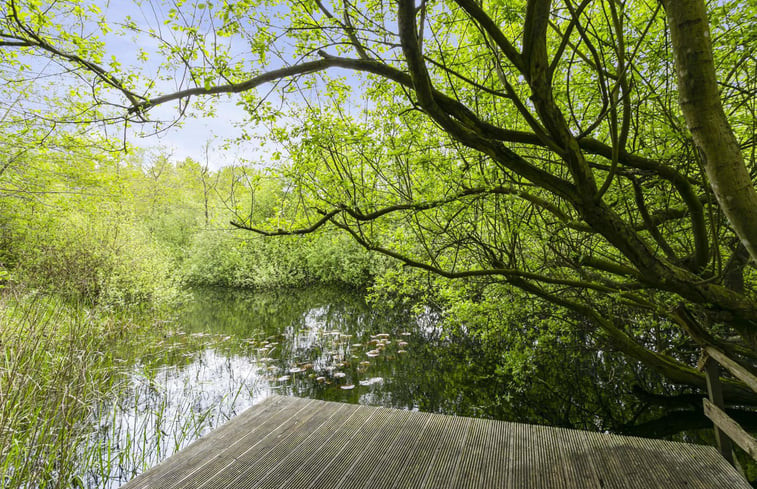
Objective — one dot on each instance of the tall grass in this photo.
(89, 399)
(52, 372)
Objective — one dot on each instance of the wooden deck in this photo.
(301, 443)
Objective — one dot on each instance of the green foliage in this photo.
(90, 258)
(237, 259)
(128, 229)
(58, 364)
(75, 229)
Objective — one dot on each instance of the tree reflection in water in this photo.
(232, 349)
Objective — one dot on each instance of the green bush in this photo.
(241, 259)
(106, 261)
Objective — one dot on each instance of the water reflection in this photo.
(232, 349)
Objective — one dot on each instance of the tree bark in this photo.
(702, 108)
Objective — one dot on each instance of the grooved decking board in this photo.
(292, 443)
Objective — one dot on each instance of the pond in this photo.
(229, 350)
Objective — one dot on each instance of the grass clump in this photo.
(57, 364)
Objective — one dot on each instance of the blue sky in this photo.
(190, 137)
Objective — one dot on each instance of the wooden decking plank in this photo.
(303, 444)
(257, 459)
(362, 441)
(649, 463)
(251, 468)
(260, 437)
(304, 454)
(486, 457)
(414, 471)
(402, 447)
(681, 465)
(523, 471)
(194, 456)
(443, 471)
(578, 466)
(548, 445)
(326, 453)
(474, 456)
(612, 459)
(374, 455)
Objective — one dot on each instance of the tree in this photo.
(534, 145)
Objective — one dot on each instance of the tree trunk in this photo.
(700, 102)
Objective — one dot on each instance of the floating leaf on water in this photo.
(283, 378)
(339, 375)
(401, 351)
(371, 381)
(348, 387)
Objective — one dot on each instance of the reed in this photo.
(84, 400)
(52, 371)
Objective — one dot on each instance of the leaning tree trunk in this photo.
(700, 101)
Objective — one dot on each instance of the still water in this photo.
(228, 350)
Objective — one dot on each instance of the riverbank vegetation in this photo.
(131, 231)
(97, 253)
